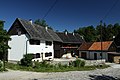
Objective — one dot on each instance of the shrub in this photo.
(0, 64)
(82, 63)
(26, 60)
(78, 63)
(65, 66)
(59, 65)
(43, 64)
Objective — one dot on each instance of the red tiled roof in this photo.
(97, 45)
(85, 46)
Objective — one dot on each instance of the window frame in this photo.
(48, 54)
(34, 42)
(48, 43)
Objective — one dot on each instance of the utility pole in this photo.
(101, 38)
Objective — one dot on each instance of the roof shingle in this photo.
(70, 38)
(39, 32)
(85, 46)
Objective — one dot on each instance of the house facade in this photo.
(29, 38)
(41, 42)
(94, 51)
(69, 45)
(115, 56)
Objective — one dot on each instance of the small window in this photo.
(48, 43)
(34, 42)
(37, 55)
(48, 54)
(19, 31)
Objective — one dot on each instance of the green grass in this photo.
(51, 68)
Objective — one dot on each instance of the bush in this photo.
(78, 63)
(82, 63)
(26, 60)
(0, 64)
(43, 64)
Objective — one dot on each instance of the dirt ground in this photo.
(111, 72)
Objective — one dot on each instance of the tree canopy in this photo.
(92, 33)
(42, 23)
(4, 37)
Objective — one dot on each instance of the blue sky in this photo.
(66, 14)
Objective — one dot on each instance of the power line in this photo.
(110, 10)
(101, 24)
(50, 9)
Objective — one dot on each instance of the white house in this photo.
(94, 51)
(29, 38)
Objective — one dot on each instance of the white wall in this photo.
(90, 55)
(104, 55)
(18, 47)
(42, 48)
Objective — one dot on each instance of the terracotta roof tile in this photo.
(97, 45)
(85, 46)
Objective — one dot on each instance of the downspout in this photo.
(27, 46)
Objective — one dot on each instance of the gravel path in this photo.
(110, 72)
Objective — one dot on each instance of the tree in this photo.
(4, 37)
(88, 32)
(116, 29)
(91, 33)
(42, 23)
(110, 32)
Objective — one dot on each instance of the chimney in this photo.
(66, 33)
(73, 33)
(46, 28)
(30, 20)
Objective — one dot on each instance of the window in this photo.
(48, 54)
(34, 42)
(18, 31)
(37, 55)
(48, 43)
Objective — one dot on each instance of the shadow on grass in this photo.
(102, 77)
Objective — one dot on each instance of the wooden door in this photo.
(84, 55)
(95, 56)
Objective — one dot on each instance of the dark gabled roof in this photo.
(38, 32)
(85, 46)
(70, 38)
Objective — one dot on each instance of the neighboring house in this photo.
(115, 56)
(94, 51)
(29, 38)
(69, 45)
(84, 50)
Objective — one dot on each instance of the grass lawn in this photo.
(52, 68)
